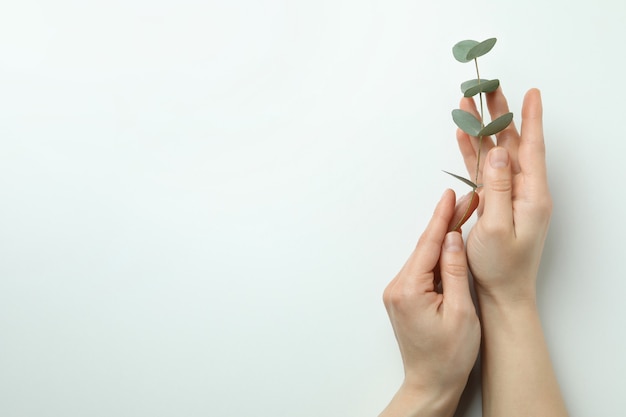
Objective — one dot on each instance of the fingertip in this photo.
(469, 105)
(534, 92)
(463, 210)
(461, 201)
(465, 146)
(447, 195)
(463, 139)
(430, 243)
(497, 103)
(444, 210)
(532, 107)
(497, 91)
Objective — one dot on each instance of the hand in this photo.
(438, 332)
(504, 247)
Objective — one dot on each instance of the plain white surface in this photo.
(201, 202)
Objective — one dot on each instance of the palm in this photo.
(512, 224)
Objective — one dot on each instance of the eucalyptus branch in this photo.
(466, 51)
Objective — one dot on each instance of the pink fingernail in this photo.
(498, 157)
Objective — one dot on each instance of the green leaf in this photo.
(472, 87)
(466, 122)
(461, 49)
(481, 49)
(465, 180)
(497, 125)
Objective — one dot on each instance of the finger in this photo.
(424, 258)
(465, 206)
(507, 138)
(454, 277)
(467, 152)
(497, 192)
(532, 152)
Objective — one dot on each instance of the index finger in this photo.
(424, 258)
(508, 138)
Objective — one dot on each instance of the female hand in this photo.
(504, 247)
(438, 332)
(504, 250)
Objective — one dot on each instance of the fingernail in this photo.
(498, 158)
(453, 242)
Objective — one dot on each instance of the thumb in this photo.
(497, 191)
(453, 264)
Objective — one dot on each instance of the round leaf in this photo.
(497, 125)
(461, 49)
(466, 122)
(472, 87)
(481, 49)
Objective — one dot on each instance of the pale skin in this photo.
(503, 252)
(438, 332)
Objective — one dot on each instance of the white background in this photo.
(202, 202)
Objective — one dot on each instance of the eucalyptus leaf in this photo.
(467, 122)
(465, 180)
(497, 125)
(461, 49)
(481, 49)
(472, 87)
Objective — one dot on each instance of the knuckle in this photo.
(396, 296)
(387, 294)
(502, 233)
(496, 229)
(501, 185)
(456, 270)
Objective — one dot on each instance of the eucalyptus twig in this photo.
(466, 51)
(482, 121)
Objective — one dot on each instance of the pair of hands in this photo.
(429, 302)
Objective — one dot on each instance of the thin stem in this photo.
(480, 95)
(480, 145)
(482, 122)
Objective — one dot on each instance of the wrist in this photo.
(506, 312)
(507, 296)
(413, 401)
